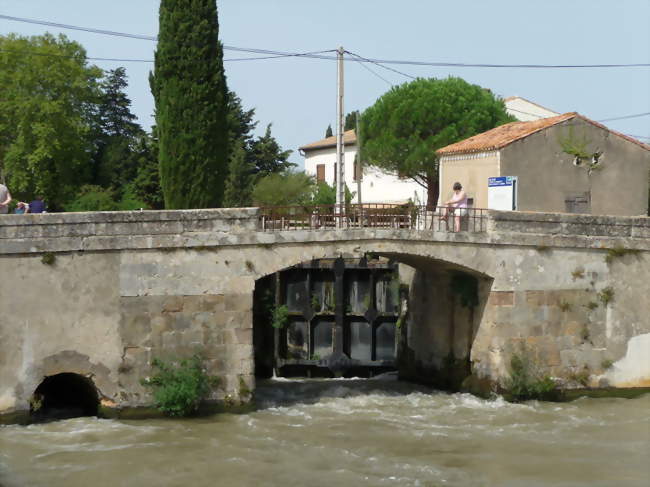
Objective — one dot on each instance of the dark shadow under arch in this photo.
(65, 395)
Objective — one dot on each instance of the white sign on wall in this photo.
(502, 193)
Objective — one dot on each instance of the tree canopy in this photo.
(189, 88)
(45, 115)
(402, 131)
(284, 188)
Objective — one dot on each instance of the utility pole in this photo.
(359, 168)
(340, 148)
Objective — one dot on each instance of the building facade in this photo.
(376, 186)
(566, 163)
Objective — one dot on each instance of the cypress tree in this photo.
(189, 88)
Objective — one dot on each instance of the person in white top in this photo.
(5, 199)
(456, 206)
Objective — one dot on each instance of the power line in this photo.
(378, 62)
(270, 53)
(130, 60)
(625, 117)
(381, 66)
(372, 71)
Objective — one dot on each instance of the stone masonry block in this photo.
(501, 298)
(173, 304)
(244, 336)
(238, 302)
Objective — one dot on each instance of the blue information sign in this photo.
(500, 181)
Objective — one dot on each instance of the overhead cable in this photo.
(624, 117)
(378, 62)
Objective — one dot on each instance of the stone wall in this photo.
(126, 287)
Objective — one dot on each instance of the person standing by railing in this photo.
(5, 199)
(456, 206)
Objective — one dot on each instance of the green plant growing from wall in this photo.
(578, 273)
(179, 386)
(466, 288)
(585, 335)
(607, 364)
(606, 295)
(565, 306)
(365, 303)
(48, 258)
(591, 305)
(280, 316)
(581, 376)
(578, 147)
(619, 252)
(244, 390)
(315, 302)
(525, 382)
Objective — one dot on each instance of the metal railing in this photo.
(372, 215)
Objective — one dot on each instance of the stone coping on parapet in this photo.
(211, 228)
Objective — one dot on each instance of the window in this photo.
(357, 174)
(320, 172)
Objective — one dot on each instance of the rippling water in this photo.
(345, 433)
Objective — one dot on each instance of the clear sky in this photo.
(299, 95)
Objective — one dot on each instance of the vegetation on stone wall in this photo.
(180, 385)
(525, 381)
(280, 316)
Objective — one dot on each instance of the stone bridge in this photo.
(100, 295)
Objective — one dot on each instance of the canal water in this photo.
(345, 433)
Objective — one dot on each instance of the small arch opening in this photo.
(63, 396)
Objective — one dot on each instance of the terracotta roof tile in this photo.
(349, 138)
(504, 135)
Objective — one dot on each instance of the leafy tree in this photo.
(326, 194)
(46, 109)
(241, 122)
(405, 127)
(189, 88)
(115, 158)
(328, 132)
(268, 156)
(239, 185)
(147, 181)
(95, 198)
(285, 188)
(351, 120)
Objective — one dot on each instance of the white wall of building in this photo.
(526, 111)
(376, 187)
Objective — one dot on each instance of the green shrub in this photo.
(48, 258)
(606, 295)
(179, 386)
(280, 316)
(526, 383)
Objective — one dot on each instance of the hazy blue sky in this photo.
(299, 95)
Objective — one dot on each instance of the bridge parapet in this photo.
(568, 224)
(99, 231)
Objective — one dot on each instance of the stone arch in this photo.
(444, 339)
(64, 395)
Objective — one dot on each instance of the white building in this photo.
(526, 111)
(376, 186)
